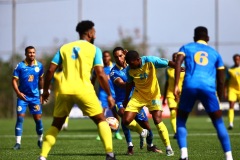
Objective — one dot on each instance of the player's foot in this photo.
(42, 158)
(118, 136)
(144, 133)
(169, 152)
(110, 158)
(39, 143)
(175, 136)
(230, 128)
(141, 142)
(130, 150)
(98, 138)
(17, 146)
(154, 149)
(183, 158)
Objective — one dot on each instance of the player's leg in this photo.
(117, 132)
(172, 104)
(98, 137)
(21, 109)
(232, 98)
(62, 109)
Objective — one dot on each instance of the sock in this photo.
(106, 136)
(40, 137)
(181, 132)
(163, 133)
(184, 152)
(222, 134)
(127, 133)
(130, 144)
(111, 154)
(66, 121)
(149, 138)
(231, 116)
(228, 155)
(134, 126)
(19, 129)
(173, 119)
(49, 140)
(39, 126)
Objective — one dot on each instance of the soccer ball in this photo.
(113, 123)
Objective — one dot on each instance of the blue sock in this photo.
(222, 134)
(127, 133)
(149, 138)
(181, 132)
(39, 126)
(19, 126)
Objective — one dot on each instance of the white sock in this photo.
(40, 137)
(18, 139)
(111, 154)
(169, 148)
(184, 152)
(130, 144)
(228, 155)
(231, 124)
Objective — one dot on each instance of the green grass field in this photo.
(78, 142)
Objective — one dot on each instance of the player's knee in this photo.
(126, 122)
(50, 139)
(20, 119)
(173, 113)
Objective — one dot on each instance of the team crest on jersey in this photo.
(37, 108)
(37, 69)
(19, 108)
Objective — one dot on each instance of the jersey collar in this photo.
(202, 42)
(35, 62)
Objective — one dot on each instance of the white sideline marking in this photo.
(135, 135)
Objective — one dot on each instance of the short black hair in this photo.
(27, 48)
(117, 49)
(84, 26)
(200, 33)
(105, 52)
(235, 56)
(131, 55)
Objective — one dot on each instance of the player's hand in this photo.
(111, 102)
(176, 94)
(45, 96)
(164, 102)
(125, 51)
(41, 99)
(21, 96)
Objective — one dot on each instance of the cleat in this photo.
(98, 138)
(141, 142)
(130, 150)
(17, 146)
(154, 149)
(39, 143)
(183, 158)
(42, 158)
(110, 158)
(230, 128)
(169, 152)
(118, 136)
(144, 133)
(175, 136)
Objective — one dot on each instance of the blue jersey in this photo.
(118, 72)
(201, 63)
(28, 77)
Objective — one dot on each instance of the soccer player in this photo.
(27, 81)
(77, 59)
(233, 88)
(141, 73)
(102, 95)
(119, 78)
(168, 93)
(203, 68)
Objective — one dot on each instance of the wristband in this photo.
(41, 91)
(49, 91)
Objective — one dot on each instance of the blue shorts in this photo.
(141, 116)
(34, 104)
(189, 96)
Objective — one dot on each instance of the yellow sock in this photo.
(106, 136)
(163, 133)
(231, 115)
(173, 120)
(66, 121)
(49, 140)
(134, 126)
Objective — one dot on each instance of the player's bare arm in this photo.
(178, 69)
(47, 81)
(15, 87)
(129, 86)
(40, 84)
(220, 83)
(120, 83)
(103, 81)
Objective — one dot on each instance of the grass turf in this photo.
(79, 142)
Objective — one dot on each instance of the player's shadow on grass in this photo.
(80, 130)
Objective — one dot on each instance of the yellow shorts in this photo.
(89, 104)
(233, 96)
(134, 105)
(171, 102)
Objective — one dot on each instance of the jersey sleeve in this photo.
(16, 71)
(129, 78)
(57, 59)
(157, 62)
(41, 70)
(98, 58)
(114, 75)
(219, 62)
